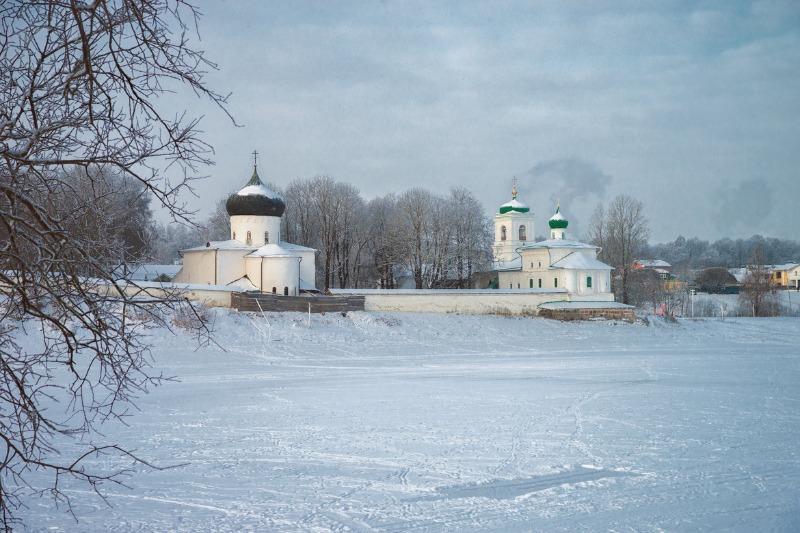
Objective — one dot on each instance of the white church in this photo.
(555, 263)
(255, 257)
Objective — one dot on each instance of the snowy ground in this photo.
(438, 423)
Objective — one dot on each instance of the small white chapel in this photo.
(255, 257)
(556, 263)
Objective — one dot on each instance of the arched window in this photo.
(502, 233)
(249, 238)
(588, 282)
(530, 283)
(555, 282)
(234, 235)
(274, 290)
(266, 237)
(540, 283)
(286, 291)
(522, 234)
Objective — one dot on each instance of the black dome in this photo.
(255, 200)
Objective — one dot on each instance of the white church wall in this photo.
(281, 273)
(517, 279)
(198, 267)
(258, 226)
(535, 259)
(308, 271)
(252, 268)
(230, 265)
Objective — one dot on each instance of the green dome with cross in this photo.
(558, 221)
(514, 206)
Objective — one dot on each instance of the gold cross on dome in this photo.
(514, 188)
(255, 158)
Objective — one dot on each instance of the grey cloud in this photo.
(746, 206)
(569, 180)
(665, 99)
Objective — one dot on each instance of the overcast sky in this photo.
(691, 107)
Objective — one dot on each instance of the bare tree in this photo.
(384, 240)
(218, 225)
(471, 236)
(621, 231)
(414, 209)
(298, 220)
(758, 294)
(79, 90)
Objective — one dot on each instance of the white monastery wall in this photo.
(472, 301)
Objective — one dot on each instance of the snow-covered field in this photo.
(440, 423)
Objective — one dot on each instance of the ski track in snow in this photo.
(412, 422)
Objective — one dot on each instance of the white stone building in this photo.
(254, 257)
(556, 263)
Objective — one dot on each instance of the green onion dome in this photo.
(558, 221)
(514, 205)
(255, 199)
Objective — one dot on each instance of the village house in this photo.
(786, 276)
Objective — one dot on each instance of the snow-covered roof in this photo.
(515, 206)
(284, 249)
(258, 190)
(513, 264)
(559, 243)
(579, 261)
(739, 273)
(147, 272)
(783, 267)
(557, 221)
(653, 263)
(230, 244)
(243, 283)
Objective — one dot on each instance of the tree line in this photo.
(435, 240)
(690, 254)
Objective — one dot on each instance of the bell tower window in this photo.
(266, 237)
(249, 238)
(503, 234)
(522, 233)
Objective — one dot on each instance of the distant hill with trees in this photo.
(691, 254)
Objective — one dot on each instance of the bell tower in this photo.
(513, 228)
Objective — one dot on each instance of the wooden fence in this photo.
(250, 301)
